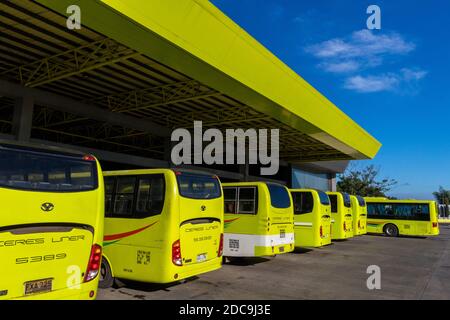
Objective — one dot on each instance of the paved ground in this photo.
(411, 268)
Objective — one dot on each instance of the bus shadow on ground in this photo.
(399, 237)
(149, 287)
(247, 261)
(302, 250)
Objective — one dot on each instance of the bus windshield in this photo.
(279, 196)
(35, 171)
(198, 186)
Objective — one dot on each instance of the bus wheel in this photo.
(391, 230)
(106, 278)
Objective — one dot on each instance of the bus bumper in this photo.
(86, 291)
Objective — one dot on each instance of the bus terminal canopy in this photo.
(138, 69)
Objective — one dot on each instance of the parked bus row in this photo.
(68, 227)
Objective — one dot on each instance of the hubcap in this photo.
(390, 231)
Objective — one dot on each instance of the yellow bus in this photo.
(51, 225)
(359, 211)
(402, 217)
(312, 218)
(341, 216)
(161, 225)
(259, 219)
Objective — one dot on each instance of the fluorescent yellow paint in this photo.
(405, 227)
(160, 232)
(312, 229)
(342, 220)
(24, 208)
(196, 38)
(359, 217)
(265, 233)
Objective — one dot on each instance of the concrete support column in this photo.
(168, 145)
(244, 170)
(23, 118)
(332, 182)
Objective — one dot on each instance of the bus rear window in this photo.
(333, 202)
(347, 202)
(198, 186)
(323, 198)
(361, 201)
(279, 196)
(35, 171)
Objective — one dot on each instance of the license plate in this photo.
(201, 257)
(282, 234)
(281, 249)
(38, 286)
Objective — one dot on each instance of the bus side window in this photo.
(150, 196)
(123, 202)
(388, 210)
(109, 190)
(303, 202)
(247, 200)
(230, 196)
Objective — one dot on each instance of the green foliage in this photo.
(442, 196)
(364, 182)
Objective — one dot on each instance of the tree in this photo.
(442, 196)
(364, 182)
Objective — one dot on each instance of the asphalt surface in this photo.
(411, 268)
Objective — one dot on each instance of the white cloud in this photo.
(411, 75)
(363, 43)
(340, 67)
(363, 48)
(372, 83)
(404, 81)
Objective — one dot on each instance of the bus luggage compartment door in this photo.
(199, 240)
(41, 259)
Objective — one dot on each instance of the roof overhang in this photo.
(197, 39)
(190, 49)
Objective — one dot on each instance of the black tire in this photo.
(106, 277)
(391, 230)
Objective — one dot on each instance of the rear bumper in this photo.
(168, 273)
(247, 245)
(200, 268)
(81, 293)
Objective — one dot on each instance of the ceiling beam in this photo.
(65, 104)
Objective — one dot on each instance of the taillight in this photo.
(219, 254)
(321, 231)
(88, 157)
(359, 224)
(435, 224)
(345, 227)
(176, 253)
(94, 263)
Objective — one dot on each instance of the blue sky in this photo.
(394, 82)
